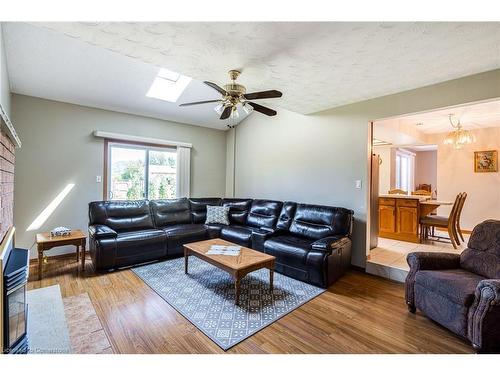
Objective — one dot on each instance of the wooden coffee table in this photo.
(237, 266)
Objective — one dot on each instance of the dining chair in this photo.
(426, 187)
(449, 223)
(398, 191)
(459, 214)
(421, 192)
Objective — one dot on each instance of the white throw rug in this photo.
(47, 328)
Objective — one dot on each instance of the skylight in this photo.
(168, 86)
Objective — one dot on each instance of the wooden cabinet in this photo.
(407, 221)
(386, 218)
(398, 218)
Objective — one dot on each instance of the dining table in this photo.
(430, 205)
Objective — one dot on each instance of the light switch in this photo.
(358, 184)
(98, 179)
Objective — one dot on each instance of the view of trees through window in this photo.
(139, 173)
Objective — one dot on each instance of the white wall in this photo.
(317, 158)
(455, 173)
(59, 148)
(4, 78)
(426, 168)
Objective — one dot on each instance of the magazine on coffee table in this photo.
(224, 250)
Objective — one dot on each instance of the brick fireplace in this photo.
(13, 276)
(7, 160)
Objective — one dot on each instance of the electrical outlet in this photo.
(358, 184)
(98, 179)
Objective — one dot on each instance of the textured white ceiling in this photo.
(317, 66)
(50, 65)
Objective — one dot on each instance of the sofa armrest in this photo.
(101, 231)
(426, 261)
(267, 229)
(483, 329)
(260, 236)
(327, 244)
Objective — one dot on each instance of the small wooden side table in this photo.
(45, 242)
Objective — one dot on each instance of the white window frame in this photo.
(410, 156)
(134, 146)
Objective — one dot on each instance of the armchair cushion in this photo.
(101, 231)
(457, 285)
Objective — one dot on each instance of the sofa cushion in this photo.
(121, 216)
(315, 222)
(286, 215)
(456, 284)
(180, 234)
(134, 243)
(217, 215)
(482, 255)
(289, 250)
(241, 235)
(263, 213)
(238, 209)
(199, 208)
(170, 211)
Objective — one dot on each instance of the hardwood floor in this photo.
(359, 314)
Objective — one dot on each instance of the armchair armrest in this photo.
(432, 261)
(426, 261)
(327, 244)
(484, 316)
(101, 231)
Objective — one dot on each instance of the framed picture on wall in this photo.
(486, 161)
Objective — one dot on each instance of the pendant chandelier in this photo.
(459, 137)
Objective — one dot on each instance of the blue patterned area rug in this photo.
(206, 297)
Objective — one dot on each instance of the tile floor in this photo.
(389, 258)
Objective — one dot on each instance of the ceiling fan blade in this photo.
(262, 109)
(202, 102)
(226, 113)
(215, 87)
(263, 95)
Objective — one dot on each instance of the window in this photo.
(405, 175)
(141, 172)
(168, 86)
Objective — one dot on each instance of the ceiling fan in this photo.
(233, 94)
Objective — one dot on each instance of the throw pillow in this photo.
(217, 215)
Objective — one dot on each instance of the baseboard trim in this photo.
(358, 268)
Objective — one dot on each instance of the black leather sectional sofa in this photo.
(310, 242)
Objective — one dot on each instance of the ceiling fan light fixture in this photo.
(247, 108)
(219, 108)
(234, 113)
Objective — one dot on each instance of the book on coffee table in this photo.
(224, 250)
